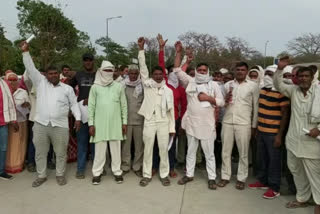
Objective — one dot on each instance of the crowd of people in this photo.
(154, 121)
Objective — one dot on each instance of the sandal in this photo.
(138, 173)
(39, 182)
(165, 181)
(212, 184)
(240, 185)
(145, 181)
(184, 180)
(223, 183)
(296, 204)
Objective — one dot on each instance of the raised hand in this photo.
(283, 62)
(24, 46)
(189, 52)
(141, 42)
(161, 42)
(178, 47)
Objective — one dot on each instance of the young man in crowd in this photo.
(108, 115)
(302, 145)
(199, 122)
(239, 123)
(272, 119)
(158, 111)
(54, 100)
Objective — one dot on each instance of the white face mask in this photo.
(287, 81)
(268, 81)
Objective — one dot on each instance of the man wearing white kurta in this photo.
(242, 98)
(203, 96)
(303, 150)
(158, 111)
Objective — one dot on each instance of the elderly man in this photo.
(203, 96)
(239, 122)
(8, 117)
(158, 111)
(302, 146)
(134, 93)
(84, 80)
(107, 121)
(272, 119)
(54, 100)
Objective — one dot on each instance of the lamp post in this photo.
(265, 52)
(107, 30)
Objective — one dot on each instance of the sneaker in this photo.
(5, 176)
(38, 182)
(61, 180)
(80, 175)
(257, 185)
(31, 168)
(96, 180)
(270, 194)
(118, 179)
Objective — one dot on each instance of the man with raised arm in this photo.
(158, 111)
(203, 96)
(303, 148)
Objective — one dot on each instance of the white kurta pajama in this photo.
(159, 120)
(199, 123)
(240, 116)
(303, 151)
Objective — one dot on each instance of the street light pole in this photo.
(265, 52)
(107, 31)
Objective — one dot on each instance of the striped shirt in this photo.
(269, 116)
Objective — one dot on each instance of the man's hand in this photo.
(178, 47)
(85, 102)
(203, 97)
(181, 131)
(92, 131)
(228, 97)
(77, 125)
(277, 141)
(141, 42)
(24, 46)
(161, 42)
(15, 126)
(189, 59)
(314, 133)
(124, 129)
(172, 134)
(283, 62)
(25, 105)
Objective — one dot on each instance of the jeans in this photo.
(83, 143)
(3, 147)
(269, 162)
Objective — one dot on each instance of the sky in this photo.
(255, 21)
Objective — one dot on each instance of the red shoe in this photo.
(173, 174)
(257, 185)
(270, 194)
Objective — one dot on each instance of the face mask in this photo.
(288, 81)
(268, 81)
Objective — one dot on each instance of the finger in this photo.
(165, 41)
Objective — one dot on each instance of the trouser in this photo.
(218, 146)
(83, 144)
(172, 151)
(306, 174)
(133, 132)
(286, 171)
(242, 135)
(100, 157)
(269, 162)
(59, 138)
(150, 130)
(30, 147)
(183, 147)
(208, 149)
(3, 147)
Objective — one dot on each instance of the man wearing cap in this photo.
(84, 80)
(272, 119)
(107, 121)
(54, 101)
(134, 94)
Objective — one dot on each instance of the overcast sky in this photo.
(256, 21)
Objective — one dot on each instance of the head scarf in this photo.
(136, 84)
(104, 78)
(287, 70)
(223, 70)
(258, 80)
(202, 78)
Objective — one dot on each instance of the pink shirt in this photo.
(2, 121)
